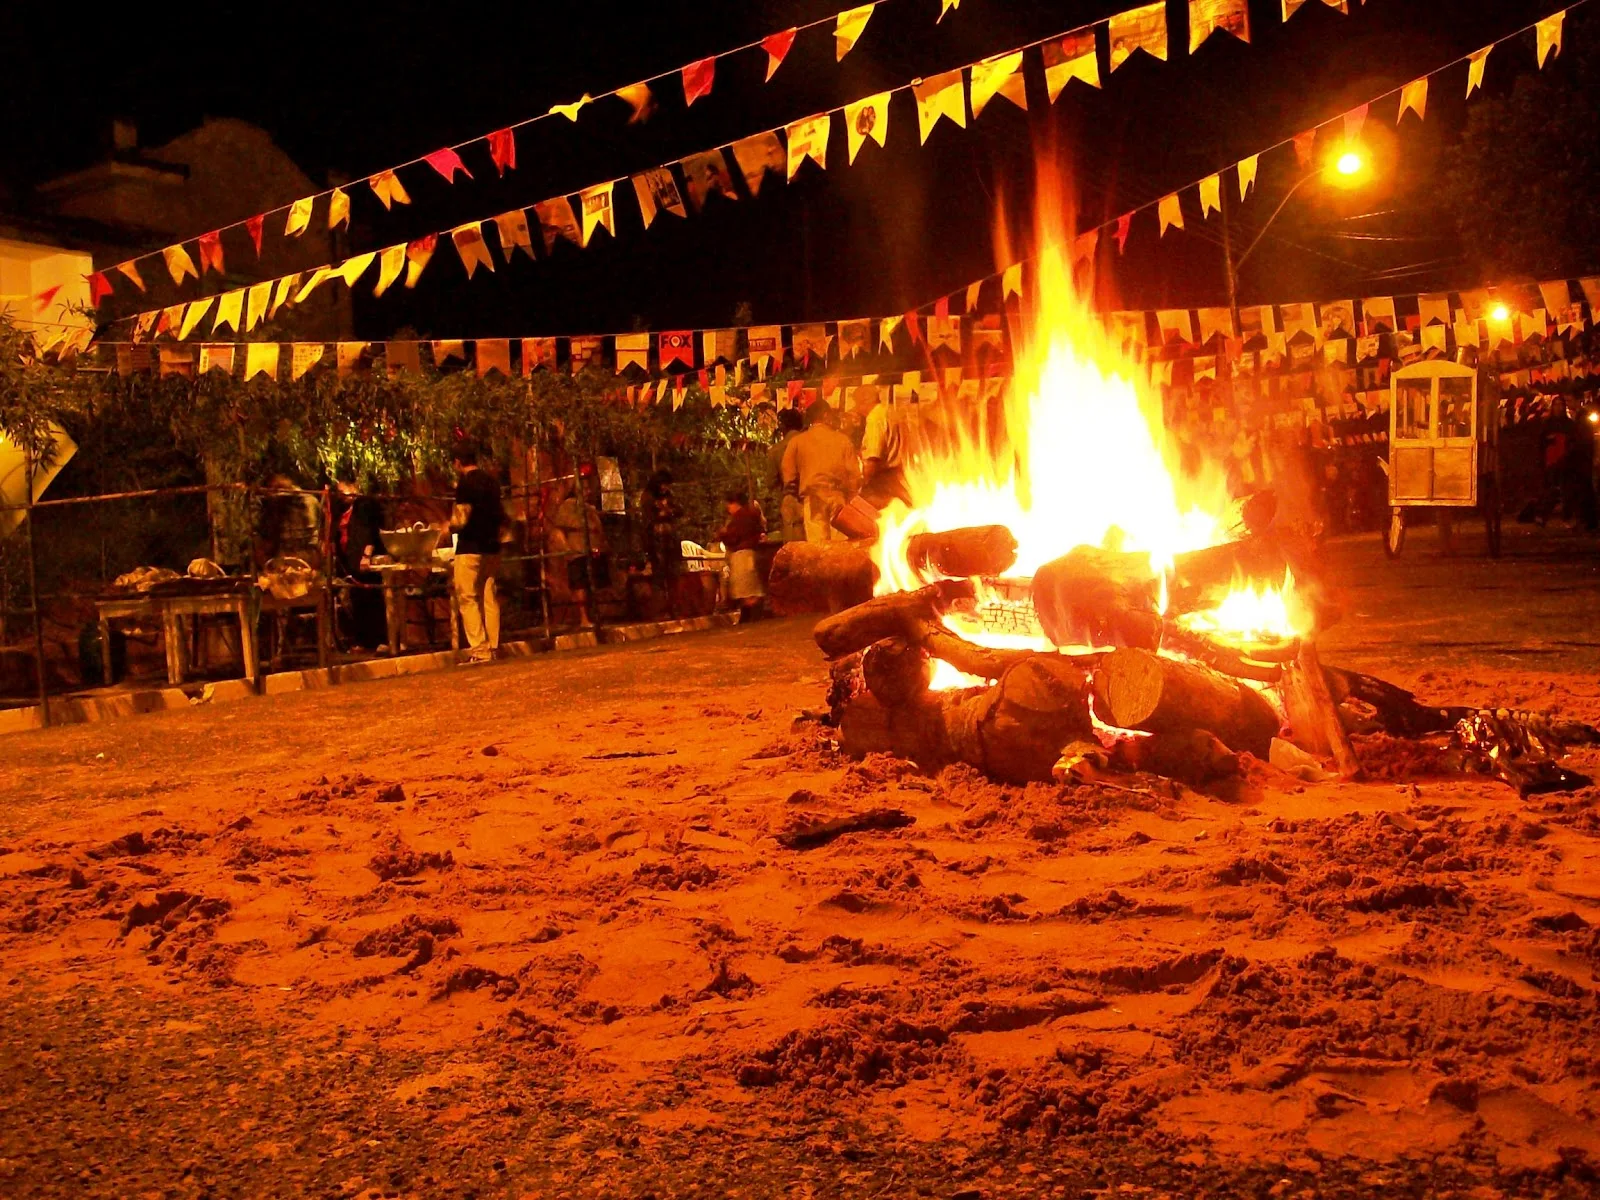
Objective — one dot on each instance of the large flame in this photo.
(1080, 456)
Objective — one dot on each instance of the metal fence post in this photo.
(33, 595)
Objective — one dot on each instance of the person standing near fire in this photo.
(791, 513)
(882, 452)
(822, 468)
(476, 520)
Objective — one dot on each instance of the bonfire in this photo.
(1060, 601)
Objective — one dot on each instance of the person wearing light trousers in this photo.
(476, 519)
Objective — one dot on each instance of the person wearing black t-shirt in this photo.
(476, 521)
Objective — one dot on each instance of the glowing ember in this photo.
(1250, 614)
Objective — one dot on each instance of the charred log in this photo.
(819, 577)
(1314, 723)
(1098, 597)
(1193, 756)
(1135, 689)
(962, 553)
(899, 614)
(896, 671)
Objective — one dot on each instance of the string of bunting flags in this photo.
(692, 181)
(696, 80)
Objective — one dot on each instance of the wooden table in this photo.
(176, 610)
(125, 608)
(397, 577)
(319, 599)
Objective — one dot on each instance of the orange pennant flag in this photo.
(131, 271)
(338, 208)
(1413, 96)
(1170, 213)
(470, 245)
(1475, 66)
(179, 264)
(387, 188)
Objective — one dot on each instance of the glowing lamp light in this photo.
(1499, 313)
(1349, 163)
(1594, 417)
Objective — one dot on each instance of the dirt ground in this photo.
(528, 931)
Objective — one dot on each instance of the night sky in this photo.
(348, 91)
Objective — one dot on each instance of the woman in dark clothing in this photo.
(745, 529)
(356, 541)
(662, 545)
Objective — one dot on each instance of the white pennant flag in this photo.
(1002, 76)
(940, 96)
(865, 119)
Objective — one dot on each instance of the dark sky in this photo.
(352, 89)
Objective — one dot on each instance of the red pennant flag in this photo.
(503, 149)
(794, 388)
(697, 77)
(705, 377)
(914, 327)
(941, 307)
(255, 225)
(49, 294)
(211, 252)
(1124, 222)
(777, 48)
(677, 346)
(99, 288)
(1303, 144)
(447, 162)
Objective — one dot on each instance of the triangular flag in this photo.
(130, 270)
(597, 210)
(179, 264)
(514, 235)
(1143, 28)
(493, 354)
(282, 290)
(1002, 76)
(1547, 35)
(417, 255)
(777, 47)
(390, 263)
(640, 99)
(765, 344)
(1170, 212)
(303, 357)
(1475, 66)
(1304, 144)
(944, 7)
(1208, 16)
(256, 301)
(886, 329)
(1354, 121)
(318, 277)
(99, 288)
(940, 96)
(255, 226)
(503, 150)
(1214, 321)
(657, 191)
(447, 162)
(338, 208)
(261, 358)
(677, 346)
(1071, 57)
(474, 251)
(1247, 174)
(211, 252)
(633, 349)
(538, 352)
(444, 351)
(192, 315)
(847, 28)
(1556, 294)
(865, 119)
(1414, 96)
(299, 216)
(171, 319)
(347, 354)
(698, 78)
(557, 220)
(974, 290)
(809, 139)
(707, 174)
(756, 156)
(216, 358)
(229, 309)
(386, 187)
(1124, 223)
(1011, 282)
(1210, 195)
(42, 300)
(570, 111)
(352, 269)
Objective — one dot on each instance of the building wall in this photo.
(28, 269)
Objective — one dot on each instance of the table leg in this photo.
(394, 611)
(105, 650)
(248, 650)
(324, 623)
(172, 640)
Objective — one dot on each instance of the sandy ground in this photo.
(528, 930)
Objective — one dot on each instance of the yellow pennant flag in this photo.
(299, 217)
(1210, 195)
(338, 208)
(229, 309)
(595, 203)
(514, 234)
(974, 290)
(1011, 282)
(192, 315)
(390, 263)
(886, 329)
(179, 264)
(1547, 33)
(847, 28)
(998, 76)
(1208, 16)
(347, 355)
(131, 270)
(1170, 213)
(940, 96)
(1475, 66)
(570, 111)
(304, 356)
(256, 302)
(318, 277)
(352, 269)
(386, 186)
(944, 7)
(865, 119)
(633, 349)
(1247, 174)
(1413, 96)
(261, 358)
(470, 245)
(281, 294)
(809, 139)
(418, 254)
(1143, 28)
(1068, 58)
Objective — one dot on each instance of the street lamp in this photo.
(1349, 170)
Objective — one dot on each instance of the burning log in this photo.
(819, 577)
(1012, 731)
(1314, 723)
(1135, 689)
(1203, 578)
(1263, 664)
(1098, 598)
(899, 614)
(982, 550)
(896, 671)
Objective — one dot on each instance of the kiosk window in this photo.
(1455, 407)
(1411, 407)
